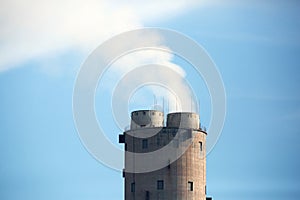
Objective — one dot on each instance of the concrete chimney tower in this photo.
(180, 179)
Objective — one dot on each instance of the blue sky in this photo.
(256, 47)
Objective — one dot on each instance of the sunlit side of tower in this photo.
(183, 179)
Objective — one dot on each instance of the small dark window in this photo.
(144, 143)
(144, 113)
(160, 184)
(201, 146)
(190, 186)
(147, 195)
(133, 187)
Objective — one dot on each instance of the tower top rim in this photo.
(177, 113)
(151, 110)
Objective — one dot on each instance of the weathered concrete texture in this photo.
(184, 179)
(183, 120)
(146, 118)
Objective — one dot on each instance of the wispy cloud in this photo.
(44, 30)
(36, 29)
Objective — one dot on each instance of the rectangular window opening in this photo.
(133, 187)
(190, 186)
(144, 143)
(201, 146)
(160, 184)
